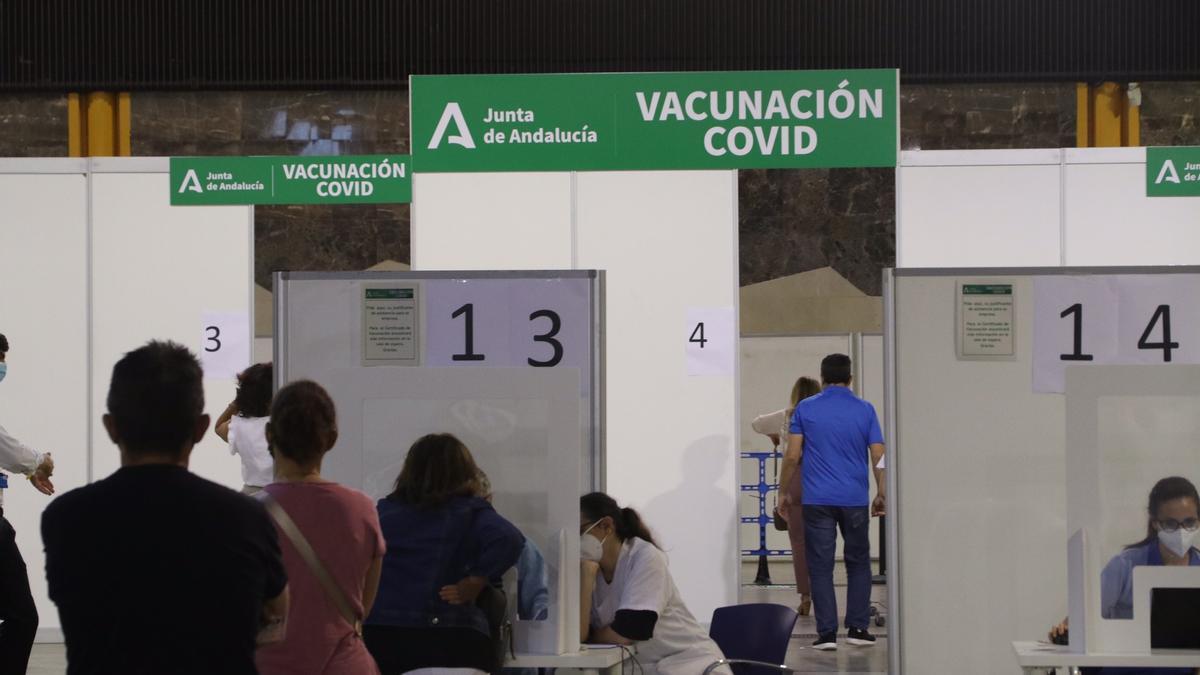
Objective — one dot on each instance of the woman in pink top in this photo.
(342, 527)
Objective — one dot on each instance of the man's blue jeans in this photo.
(821, 524)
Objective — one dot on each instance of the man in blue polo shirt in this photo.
(835, 432)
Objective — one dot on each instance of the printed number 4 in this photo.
(214, 338)
(1163, 312)
(698, 335)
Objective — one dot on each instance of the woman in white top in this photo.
(628, 596)
(243, 426)
(775, 426)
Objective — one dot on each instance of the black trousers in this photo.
(18, 614)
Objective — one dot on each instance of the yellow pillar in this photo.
(1106, 118)
(124, 125)
(76, 127)
(101, 124)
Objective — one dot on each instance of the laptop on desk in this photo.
(1175, 618)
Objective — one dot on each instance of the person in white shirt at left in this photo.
(18, 614)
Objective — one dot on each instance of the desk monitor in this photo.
(1175, 618)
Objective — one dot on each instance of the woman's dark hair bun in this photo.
(597, 505)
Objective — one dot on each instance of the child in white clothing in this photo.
(243, 426)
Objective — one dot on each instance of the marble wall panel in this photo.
(33, 125)
(1169, 113)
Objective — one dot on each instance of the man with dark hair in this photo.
(153, 569)
(835, 432)
(18, 614)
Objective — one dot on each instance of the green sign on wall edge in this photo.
(1173, 172)
(364, 179)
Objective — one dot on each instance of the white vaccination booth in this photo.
(979, 462)
(667, 241)
(97, 263)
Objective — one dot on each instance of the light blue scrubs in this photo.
(1116, 581)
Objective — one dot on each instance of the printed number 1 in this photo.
(467, 311)
(698, 331)
(1077, 350)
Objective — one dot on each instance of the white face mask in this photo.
(1179, 541)
(591, 548)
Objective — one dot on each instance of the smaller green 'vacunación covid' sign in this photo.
(1173, 172)
(369, 179)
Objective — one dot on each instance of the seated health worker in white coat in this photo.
(628, 596)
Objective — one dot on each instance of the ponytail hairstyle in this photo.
(598, 505)
(804, 387)
(1166, 490)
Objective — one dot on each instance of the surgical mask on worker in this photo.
(1178, 542)
(590, 547)
(3, 371)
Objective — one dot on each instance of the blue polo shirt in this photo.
(837, 427)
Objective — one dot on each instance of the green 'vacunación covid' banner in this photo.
(648, 121)
(367, 179)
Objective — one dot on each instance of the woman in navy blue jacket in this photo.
(443, 544)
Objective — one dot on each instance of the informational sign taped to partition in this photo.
(215, 181)
(986, 318)
(226, 344)
(1173, 172)
(711, 346)
(390, 324)
(507, 323)
(1074, 323)
(1113, 319)
(655, 121)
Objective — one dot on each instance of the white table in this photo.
(1034, 657)
(587, 661)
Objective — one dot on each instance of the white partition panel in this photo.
(1110, 221)
(769, 368)
(1049, 208)
(474, 220)
(668, 241)
(978, 208)
(43, 312)
(870, 384)
(980, 493)
(770, 365)
(157, 269)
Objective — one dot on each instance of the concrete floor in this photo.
(847, 659)
(48, 659)
(51, 659)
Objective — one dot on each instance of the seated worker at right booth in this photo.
(1172, 534)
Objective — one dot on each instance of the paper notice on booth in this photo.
(711, 339)
(225, 349)
(390, 325)
(985, 321)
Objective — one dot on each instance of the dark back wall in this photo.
(368, 44)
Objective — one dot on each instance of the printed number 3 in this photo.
(548, 338)
(215, 339)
